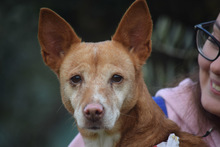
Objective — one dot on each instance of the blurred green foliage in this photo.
(31, 111)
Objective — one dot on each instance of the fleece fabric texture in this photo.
(181, 111)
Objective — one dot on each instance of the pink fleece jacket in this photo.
(180, 110)
(177, 101)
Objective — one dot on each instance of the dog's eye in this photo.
(116, 79)
(76, 79)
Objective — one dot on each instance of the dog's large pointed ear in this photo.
(55, 37)
(135, 29)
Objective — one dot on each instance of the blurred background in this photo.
(31, 111)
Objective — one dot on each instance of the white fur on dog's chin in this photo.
(103, 140)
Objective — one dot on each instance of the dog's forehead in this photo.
(101, 54)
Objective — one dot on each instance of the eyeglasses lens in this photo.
(206, 45)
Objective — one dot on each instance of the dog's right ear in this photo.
(55, 37)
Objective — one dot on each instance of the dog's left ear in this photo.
(135, 29)
(55, 37)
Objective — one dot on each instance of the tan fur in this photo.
(131, 117)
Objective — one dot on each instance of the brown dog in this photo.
(102, 84)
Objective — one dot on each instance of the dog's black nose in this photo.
(93, 112)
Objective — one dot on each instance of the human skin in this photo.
(209, 75)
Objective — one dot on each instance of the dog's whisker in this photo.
(74, 124)
(60, 108)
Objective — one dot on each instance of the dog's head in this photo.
(98, 80)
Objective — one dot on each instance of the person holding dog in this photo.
(195, 103)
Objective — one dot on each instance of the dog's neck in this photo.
(145, 119)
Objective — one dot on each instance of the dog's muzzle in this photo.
(93, 113)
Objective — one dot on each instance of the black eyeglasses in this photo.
(207, 45)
